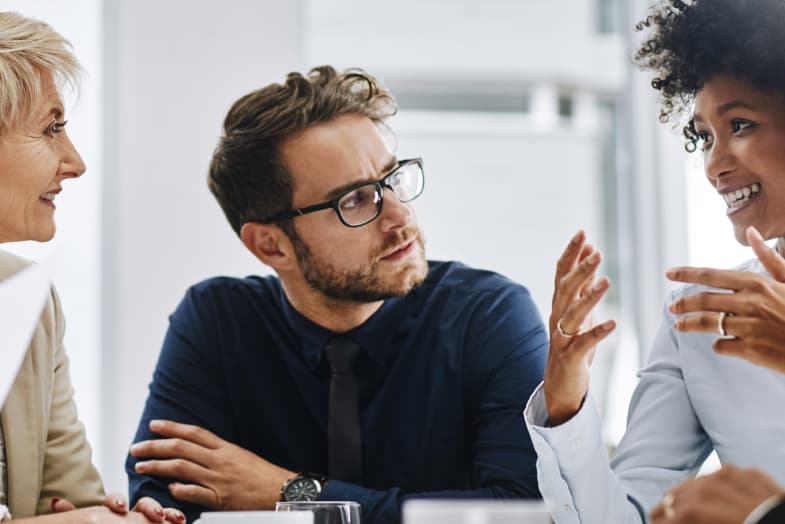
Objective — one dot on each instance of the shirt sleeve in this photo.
(187, 387)
(503, 363)
(663, 445)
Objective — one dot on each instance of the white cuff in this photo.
(4, 513)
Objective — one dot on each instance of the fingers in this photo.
(195, 434)
(585, 342)
(59, 505)
(174, 515)
(172, 448)
(568, 288)
(740, 327)
(710, 301)
(175, 469)
(770, 259)
(703, 323)
(658, 513)
(117, 503)
(719, 278)
(575, 315)
(571, 255)
(195, 494)
(151, 509)
(772, 359)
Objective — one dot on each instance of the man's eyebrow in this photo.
(392, 164)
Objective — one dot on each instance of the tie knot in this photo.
(341, 353)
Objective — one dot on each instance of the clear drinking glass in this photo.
(325, 512)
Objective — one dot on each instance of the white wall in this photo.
(172, 70)
(169, 71)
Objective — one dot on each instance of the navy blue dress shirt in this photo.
(444, 374)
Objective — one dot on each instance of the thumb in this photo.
(59, 505)
(771, 260)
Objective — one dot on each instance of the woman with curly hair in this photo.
(721, 65)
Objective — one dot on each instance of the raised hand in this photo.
(749, 314)
(575, 295)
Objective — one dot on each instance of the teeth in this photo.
(48, 196)
(740, 196)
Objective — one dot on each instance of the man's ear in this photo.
(269, 244)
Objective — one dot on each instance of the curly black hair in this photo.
(695, 40)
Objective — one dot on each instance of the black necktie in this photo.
(344, 440)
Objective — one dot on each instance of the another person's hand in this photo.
(727, 496)
(67, 514)
(752, 315)
(147, 506)
(210, 471)
(571, 349)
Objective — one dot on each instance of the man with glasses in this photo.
(359, 372)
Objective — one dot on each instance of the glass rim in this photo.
(318, 503)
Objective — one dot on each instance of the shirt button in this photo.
(566, 509)
(575, 444)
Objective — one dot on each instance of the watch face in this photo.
(302, 488)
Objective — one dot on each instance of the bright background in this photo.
(531, 120)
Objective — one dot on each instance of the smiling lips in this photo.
(49, 197)
(738, 198)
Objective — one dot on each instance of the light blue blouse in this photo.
(689, 401)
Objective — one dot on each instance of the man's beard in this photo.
(364, 284)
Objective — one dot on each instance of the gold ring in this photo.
(721, 324)
(563, 333)
(667, 506)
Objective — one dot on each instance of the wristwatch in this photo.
(305, 486)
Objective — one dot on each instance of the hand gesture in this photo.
(571, 349)
(727, 496)
(750, 318)
(210, 471)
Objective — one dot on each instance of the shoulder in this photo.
(229, 298)
(51, 325)
(218, 288)
(459, 277)
(10, 264)
(473, 295)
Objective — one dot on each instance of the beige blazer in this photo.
(46, 449)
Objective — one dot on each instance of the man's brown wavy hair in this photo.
(246, 174)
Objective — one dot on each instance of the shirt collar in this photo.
(375, 336)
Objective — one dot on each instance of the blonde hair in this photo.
(30, 50)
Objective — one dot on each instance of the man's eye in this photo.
(353, 200)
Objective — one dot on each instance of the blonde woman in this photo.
(45, 464)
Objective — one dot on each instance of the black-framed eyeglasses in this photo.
(362, 203)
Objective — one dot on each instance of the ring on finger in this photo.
(563, 333)
(721, 324)
(667, 505)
